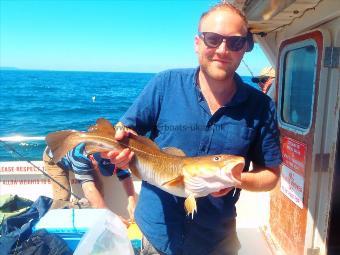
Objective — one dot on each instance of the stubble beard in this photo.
(215, 73)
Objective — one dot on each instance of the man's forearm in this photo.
(93, 195)
(260, 179)
(132, 196)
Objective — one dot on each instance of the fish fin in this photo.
(179, 180)
(102, 126)
(105, 126)
(190, 205)
(174, 151)
(61, 142)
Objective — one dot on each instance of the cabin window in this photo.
(298, 82)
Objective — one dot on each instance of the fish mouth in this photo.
(234, 170)
(232, 173)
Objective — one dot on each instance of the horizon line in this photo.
(5, 68)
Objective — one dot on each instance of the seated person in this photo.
(86, 169)
(265, 79)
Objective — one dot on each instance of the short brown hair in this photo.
(223, 5)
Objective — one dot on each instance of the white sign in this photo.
(23, 179)
(292, 185)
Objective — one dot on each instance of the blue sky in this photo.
(104, 35)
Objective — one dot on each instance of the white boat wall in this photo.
(23, 179)
(302, 41)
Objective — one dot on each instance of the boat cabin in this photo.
(302, 42)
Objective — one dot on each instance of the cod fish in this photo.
(169, 169)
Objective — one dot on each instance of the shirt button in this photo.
(210, 123)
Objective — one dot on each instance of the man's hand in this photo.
(222, 192)
(122, 158)
(260, 178)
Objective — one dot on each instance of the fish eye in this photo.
(217, 158)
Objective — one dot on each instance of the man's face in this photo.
(266, 85)
(220, 63)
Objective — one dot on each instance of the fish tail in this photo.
(61, 142)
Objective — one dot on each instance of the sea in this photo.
(35, 103)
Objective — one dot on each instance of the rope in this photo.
(248, 68)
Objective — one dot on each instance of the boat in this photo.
(301, 39)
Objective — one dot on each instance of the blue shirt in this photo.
(174, 111)
(77, 161)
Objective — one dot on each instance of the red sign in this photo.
(294, 154)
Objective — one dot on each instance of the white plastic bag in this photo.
(108, 236)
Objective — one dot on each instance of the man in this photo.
(208, 110)
(265, 79)
(86, 169)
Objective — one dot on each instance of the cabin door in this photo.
(333, 232)
(302, 87)
(333, 243)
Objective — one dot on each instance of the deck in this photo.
(252, 216)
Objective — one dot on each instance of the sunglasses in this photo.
(214, 40)
(259, 80)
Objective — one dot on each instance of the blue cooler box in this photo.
(69, 224)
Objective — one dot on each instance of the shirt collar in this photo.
(199, 94)
(240, 96)
(242, 92)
